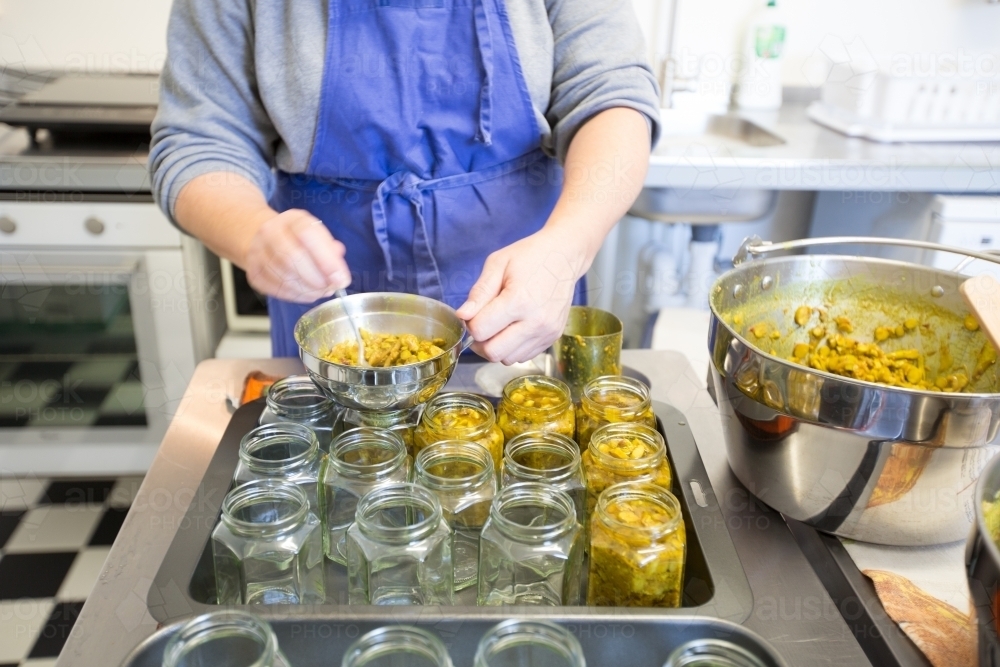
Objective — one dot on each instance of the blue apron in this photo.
(426, 157)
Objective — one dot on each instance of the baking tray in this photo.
(715, 584)
(308, 641)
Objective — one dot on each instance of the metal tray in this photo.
(308, 641)
(715, 584)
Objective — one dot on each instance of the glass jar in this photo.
(397, 645)
(460, 473)
(360, 460)
(268, 547)
(227, 638)
(297, 399)
(399, 549)
(612, 399)
(460, 416)
(637, 548)
(624, 453)
(712, 653)
(536, 403)
(513, 643)
(401, 422)
(530, 551)
(282, 451)
(551, 458)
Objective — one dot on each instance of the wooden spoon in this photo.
(982, 296)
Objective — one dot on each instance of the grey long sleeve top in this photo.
(241, 86)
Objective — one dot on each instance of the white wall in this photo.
(83, 35)
(901, 34)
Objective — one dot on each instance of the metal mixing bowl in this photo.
(377, 389)
(860, 460)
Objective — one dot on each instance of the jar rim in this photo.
(711, 651)
(533, 493)
(543, 441)
(514, 632)
(392, 495)
(649, 436)
(551, 382)
(357, 438)
(657, 495)
(228, 622)
(265, 490)
(619, 382)
(261, 436)
(464, 451)
(393, 418)
(459, 399)
(407, 638)
(297, 387)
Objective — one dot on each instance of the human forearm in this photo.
(604, 172)
(290, 255)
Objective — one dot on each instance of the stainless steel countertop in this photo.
(817, 158)
(791, 608)
(813, 158)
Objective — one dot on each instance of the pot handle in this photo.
(465, 341)
(754, 246)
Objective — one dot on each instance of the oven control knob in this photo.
(7, 226)
(94, 226)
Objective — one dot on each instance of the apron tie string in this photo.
(408, 186)
(486, 58)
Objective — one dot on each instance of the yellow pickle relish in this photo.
(536, 403)
(624, 453)
(612, 399)
(637, 548)
(460, 416)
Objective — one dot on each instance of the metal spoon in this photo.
(342, 295)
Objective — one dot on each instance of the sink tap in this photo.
(668, 78)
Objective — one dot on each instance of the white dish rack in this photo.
(887, 108)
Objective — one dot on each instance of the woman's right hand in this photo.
(294, 257)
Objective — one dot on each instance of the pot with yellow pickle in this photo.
(857, 394)
(412, 344)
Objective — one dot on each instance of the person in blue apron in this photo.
(438, 162)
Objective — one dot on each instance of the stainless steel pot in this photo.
(378, 389)
(982, 566)
(857, 459)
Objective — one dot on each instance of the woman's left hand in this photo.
(520, 303)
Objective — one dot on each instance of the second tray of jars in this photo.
(714, 582)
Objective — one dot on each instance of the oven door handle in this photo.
(34, 271)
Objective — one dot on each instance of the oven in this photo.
(105, 309)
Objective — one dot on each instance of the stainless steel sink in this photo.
(704, 141)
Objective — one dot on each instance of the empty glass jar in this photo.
(268, 547)
(460, 416)
(360, 460)
(515, 643)
(624, 453)
(536, 403)
(297, 399)
(461, 475)
(281, 451)
(227, 638)
(552, 458)
(637, 548)
(712, 653)
(612, 399)
(399, 549)
(397, 646)
(530, 551)
(401, 422)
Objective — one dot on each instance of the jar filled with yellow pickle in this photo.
(460, 416)
(612, 399)
(637, 548)
(624, 453)
(536, 403)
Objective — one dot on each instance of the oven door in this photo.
(96, 349)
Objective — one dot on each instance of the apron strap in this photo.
(380, 224)
(486, 58)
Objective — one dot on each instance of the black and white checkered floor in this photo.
(55, 535)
